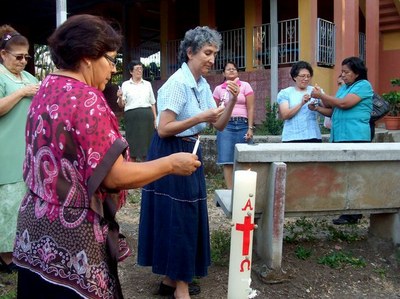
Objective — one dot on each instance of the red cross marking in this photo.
(246, 228)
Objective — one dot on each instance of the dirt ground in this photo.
(380, 278)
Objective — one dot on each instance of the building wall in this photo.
(346, 16)
(260, 81)
(389, 60)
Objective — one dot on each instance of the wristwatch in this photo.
(252, 127)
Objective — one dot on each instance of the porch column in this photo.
(207, 13)
(346, 21)
(167, 32)
(307, 26)
(252, 17)
(372, 37)
(308, 14)
(61, 8)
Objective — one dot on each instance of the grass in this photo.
(381, 272)
(339, 259)
(220, 247)
(8, 285)
(134, 196)
(312, 229)
(302, 253)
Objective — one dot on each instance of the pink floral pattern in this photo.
(70, 132)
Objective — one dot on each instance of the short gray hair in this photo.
(196, 39)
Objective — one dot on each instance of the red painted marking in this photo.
(248, 205)
(246, 228)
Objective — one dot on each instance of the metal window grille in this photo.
(362, 42)
(326, 33)
(172, 56)
(149, 55)
(233, 48)
(288, 43)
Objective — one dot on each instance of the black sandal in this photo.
(166, 290)
(7, 268)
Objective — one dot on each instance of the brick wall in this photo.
(260, 81)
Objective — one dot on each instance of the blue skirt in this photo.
(173, 232)
(233, 134)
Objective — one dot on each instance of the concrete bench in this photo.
(308, 179)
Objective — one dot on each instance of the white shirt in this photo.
(137, 95)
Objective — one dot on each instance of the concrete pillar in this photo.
(308, 24)
(252, 17)
(269, 233)
(346, 20)
(372, 37)
(167, 31)
(386, 226)
(207, 13)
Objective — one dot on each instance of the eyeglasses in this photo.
(304, 76)
(19, 57)
(231, 70)
(113, 61)
(138, 68)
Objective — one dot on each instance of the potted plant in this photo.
(392, 119)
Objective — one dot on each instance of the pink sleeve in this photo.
(247, 90)
(217, 94)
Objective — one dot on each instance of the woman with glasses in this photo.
(16, 90)
(68, 242)
(240, 126)
(300, 122)
(137, 98)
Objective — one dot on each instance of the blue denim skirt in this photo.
(233, 133)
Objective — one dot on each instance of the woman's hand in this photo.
(120, 101)
(305, 99)
(316, 92)
(119, 92)
(184, 163)
(30, 90)
(212, 115)
(313, 107)
(249, 134)
(233, 87)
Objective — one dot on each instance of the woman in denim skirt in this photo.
(240, 127)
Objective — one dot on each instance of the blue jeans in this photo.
(233, 133)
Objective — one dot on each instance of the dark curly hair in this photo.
(357, 66)
(82, 36)
(295, 70)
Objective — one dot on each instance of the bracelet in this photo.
(252, 127)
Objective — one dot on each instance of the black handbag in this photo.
(380, 107)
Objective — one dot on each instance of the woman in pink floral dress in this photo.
(68, 242)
